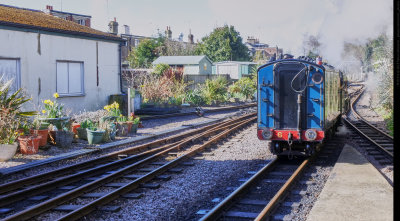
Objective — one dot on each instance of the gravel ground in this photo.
(195, 188)
(150, 126)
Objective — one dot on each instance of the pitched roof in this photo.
(180, 60)
(234, 62)
(38, 20)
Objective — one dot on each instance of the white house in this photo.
(187, 64)
(235, 69)
(46, 54)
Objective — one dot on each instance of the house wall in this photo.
(191, 69)
(34, 66)
(205, 67)
(231, 69)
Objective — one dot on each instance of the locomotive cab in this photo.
(292, 105)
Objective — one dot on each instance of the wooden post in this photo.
(129, 102)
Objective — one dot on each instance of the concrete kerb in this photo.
(99, 148)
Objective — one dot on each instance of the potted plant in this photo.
(133, 123)
(29, 144)
(64, 137)
(94, 135)
(122, 126)
(115, 113)
(53, 113)
(82, 134)
(41, 128)
(10, 118)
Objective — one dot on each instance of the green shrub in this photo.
(244, 86)
(215, 90)
(159, 69)
(195, 97)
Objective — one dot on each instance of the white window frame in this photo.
(17, 79)
(82, 22)
(82, 93)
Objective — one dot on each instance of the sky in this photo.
(282, 23)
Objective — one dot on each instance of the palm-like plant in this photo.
(10, 112)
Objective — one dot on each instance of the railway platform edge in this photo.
(355, 190)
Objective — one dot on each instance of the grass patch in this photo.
(388, 117)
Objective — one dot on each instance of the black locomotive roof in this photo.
(291, 60)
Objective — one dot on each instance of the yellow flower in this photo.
(56, 95)
(51, 103)
(46, 101)
(120, 115)
(44, 111)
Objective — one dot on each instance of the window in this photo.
(137, 41)
(10, 70)
(70, 78)
(81, 21)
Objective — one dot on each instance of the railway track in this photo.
(99, 181)
(376, 142)
(195, 113)
(380, 143)
(21, 168)
(253, 199)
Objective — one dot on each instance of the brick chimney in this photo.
(127, 30)
(190, 37)
(113, 27)
(49, 8)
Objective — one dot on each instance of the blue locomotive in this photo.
(300, 102)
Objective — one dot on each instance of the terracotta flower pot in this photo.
(74, 127)
(29, 144)
(44, 134)
(129, 123)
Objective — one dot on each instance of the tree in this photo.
(223, 44)
(144, 54)
(311, 45)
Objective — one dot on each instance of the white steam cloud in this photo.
(285, 22)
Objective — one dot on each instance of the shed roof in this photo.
(180, 60)
(234, 62)
(38, 20)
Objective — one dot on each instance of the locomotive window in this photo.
(317, 78)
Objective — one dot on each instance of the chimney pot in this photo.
(115, 19)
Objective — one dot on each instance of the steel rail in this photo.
(368, 138)
(37, 189)
(216, 212)
(193, 113)
(49, 204)
(14, 185)
(364, 121)
(133, 185)
(266, 212)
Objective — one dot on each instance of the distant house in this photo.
(235, 69)
(188, 65)
(45, 54)
(77, 18)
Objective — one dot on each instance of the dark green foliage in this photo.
(144, 54)
(223, 44)
(215, 90)
(195, 97)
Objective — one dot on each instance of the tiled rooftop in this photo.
(19, 17)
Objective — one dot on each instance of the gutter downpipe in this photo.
(120, 67)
